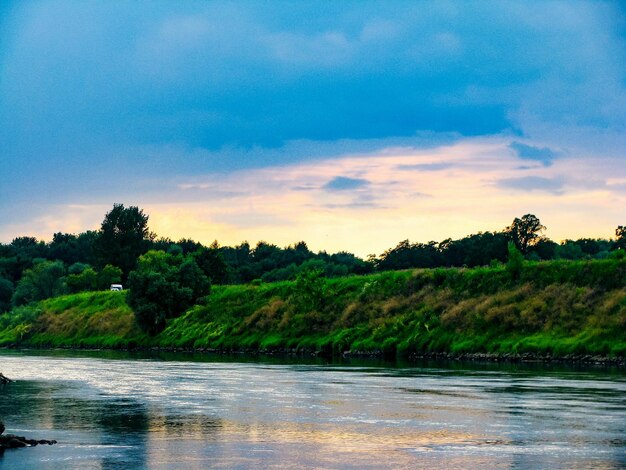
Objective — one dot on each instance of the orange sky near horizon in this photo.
(400, 193)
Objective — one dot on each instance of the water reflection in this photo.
(142, 411)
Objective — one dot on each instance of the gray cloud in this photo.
(543, 155)
(343, 183)
(97, 97)
(353, 205)
(425, 167)
(533, 183)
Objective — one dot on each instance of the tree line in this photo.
(165, 277)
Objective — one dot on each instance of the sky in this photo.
(349, 125)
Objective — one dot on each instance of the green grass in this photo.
(89, 319)
(560, 307)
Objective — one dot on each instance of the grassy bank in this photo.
(552, 307)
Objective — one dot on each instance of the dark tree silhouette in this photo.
(525, 232)
(123, 237)
(620, 234)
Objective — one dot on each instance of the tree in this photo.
(164, 286)
(525, 232)
(569, 250)
(6, 292)
(546, 249)
(63, 248)
(29, 247)
(479, 249)
(620, 234)
(515, 262)
(123, 237)
(86, 280)
(411, 255)
(109, 275)
(308, 291)
(212, 263)
(43, 281)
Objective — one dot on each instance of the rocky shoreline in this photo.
(581, 359)
(525, 358)
(11, 441)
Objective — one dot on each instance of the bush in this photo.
(163, 286)
(43, 281)
(6, 292)
(515, 262)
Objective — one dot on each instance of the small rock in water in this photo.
(10, 441)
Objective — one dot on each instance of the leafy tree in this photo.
(123, 237)
(160, 244)
(175, 249)
(515, 262)
(6, 292)
(308, 293)
(281, 274)
(545, 249)
(86, 280)
(407, 255)
(190, 275)
(63, 247)
(593, 246)
(353, 263)
(164, 286)
(29, 247)
(569, 250)
(77, 268)
(620, 235)
(20, 255)
(238, 260)
(212, 264)
(474, 250)
(85, 247)
(525, 232)
(109, 275)
(11, 268)
(43, 281)
(189, 246)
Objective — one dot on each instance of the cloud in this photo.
(387, 205)
(353, 205)
(188, 103)
(533, 183)
(342, 183)
(426, 167)
(528, 152)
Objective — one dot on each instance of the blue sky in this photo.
(137, 102)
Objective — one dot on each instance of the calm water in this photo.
(111, 411)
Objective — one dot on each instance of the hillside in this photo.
(559, 307)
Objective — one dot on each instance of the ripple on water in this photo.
(125, 413)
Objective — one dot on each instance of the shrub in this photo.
(164, 286)
(515, 262)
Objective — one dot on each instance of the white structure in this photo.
(116, 287)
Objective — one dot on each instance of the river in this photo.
(132, 411)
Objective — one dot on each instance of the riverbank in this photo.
(573, 311)
(376, 355)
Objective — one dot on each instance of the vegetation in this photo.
(123, 237)
(510, 290)
(557, 307)
(525, 232)
(164, 286)
(96, 319)
(95, 259)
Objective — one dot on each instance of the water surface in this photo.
(111, 411)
